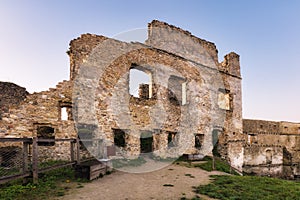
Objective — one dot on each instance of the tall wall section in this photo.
(168, 49)
(173, 39)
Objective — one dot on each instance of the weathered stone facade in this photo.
(10, 95)
(191, 102)
(272, 148)
(208, 99)
(184, 100)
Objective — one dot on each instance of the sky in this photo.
(35, 35)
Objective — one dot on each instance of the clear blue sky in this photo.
(34, 37)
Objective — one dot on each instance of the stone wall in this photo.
(284, 135)
(10, 95)
(188, 88)
(204, 76)
(42, 109)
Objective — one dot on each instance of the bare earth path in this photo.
(129, 186)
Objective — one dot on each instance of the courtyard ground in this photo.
(172, 182)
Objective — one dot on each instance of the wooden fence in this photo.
(26, 163)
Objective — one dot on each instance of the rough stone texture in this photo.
(116, 109)
(190, 93)
(10, 95)
(80, 48)
(281, 139)
(42, 109)
(173, 113)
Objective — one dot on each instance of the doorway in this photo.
(146, 141)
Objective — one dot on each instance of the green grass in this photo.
(219, 166)
(49, 186)
(249, 188)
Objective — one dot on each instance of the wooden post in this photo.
(25, 157)
(72, 152)
(35, 158)
(78, 151)
(213, 163)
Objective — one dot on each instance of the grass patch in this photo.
(50, 185)
(219, 166)
(250, 187)
(118, 163)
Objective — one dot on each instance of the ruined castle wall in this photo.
(10, 95)
(80, 48)
(284, 135)
(173, 39)
(231, 138)
(116, 109)
(42, 109)
(263, 160)
(209, 100)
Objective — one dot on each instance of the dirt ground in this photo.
(171, 182)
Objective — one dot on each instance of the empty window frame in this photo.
(172, 139)
(199, 139)
(65, 111)
(224, 99)
(177, 87)
(119, 137)
(140, 82)
(45, 132)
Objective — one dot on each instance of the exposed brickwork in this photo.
(281, 139)
(10, 95)
(188, 83)
(167, 111)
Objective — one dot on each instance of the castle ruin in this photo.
(191, 105)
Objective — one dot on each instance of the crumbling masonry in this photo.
(191, 102)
